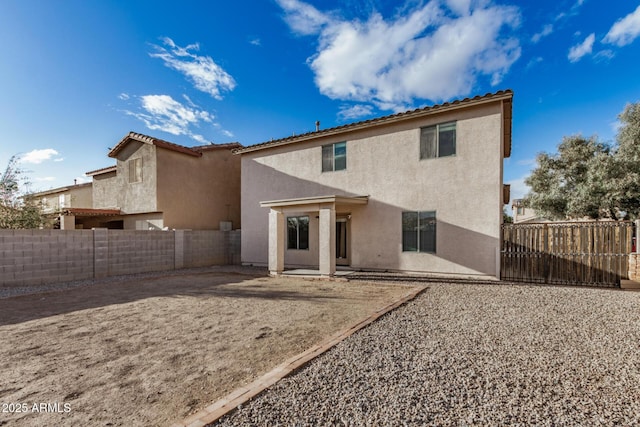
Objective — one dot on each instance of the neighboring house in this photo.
(156, 184)
(521, 213)
(57, 201)
(416, 191)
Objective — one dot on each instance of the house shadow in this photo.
(114, 291)
(459, 248)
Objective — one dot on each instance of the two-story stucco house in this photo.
(419, 191)
(57, 201)
(522, 213)
(156, 184)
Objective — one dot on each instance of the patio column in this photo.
(327, 240)
(276, 242)
(67, 222)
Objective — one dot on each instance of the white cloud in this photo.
(45, 179)
(227, 133)
(123, 96)
(204, 73)
(546, 30)
(162, 112)
(303, 18)
(255, 42)
(430, 52)
(604, 55)
(625, 30)
(526, 162)
(38, 156)
(582, 49)
(355, 111)
(534, 61)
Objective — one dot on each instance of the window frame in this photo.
(425, 153)
(296, 219)
(430, 246)
(135, 170)
(333, 147)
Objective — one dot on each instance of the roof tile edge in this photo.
(406, 115)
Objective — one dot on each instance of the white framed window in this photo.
(63, 201)
(419, 231)
(298, 232)
(135, 170)
(438, 141)
(334, 157)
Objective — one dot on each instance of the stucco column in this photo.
(67, 222)
(327, 241)
(276, 242)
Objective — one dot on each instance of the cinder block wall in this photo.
(211, 247)
(36, 257)
(134, 251)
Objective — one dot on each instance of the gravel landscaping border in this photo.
(462, 354)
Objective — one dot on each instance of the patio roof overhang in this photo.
(313, 203)
(326, 206)
(91, 212)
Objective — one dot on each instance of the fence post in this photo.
(637, 236)
(100, 253)
(178, 257)
(546, 255)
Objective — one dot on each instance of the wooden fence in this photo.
(584, 252)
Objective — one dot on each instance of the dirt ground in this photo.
(151, 351)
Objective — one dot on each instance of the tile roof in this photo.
(502, 95)
(59, 189)
(133, 136)
(209, 147)
(192, 151)
(91, 212)
(102, 170)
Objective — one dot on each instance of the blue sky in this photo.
(77, 76)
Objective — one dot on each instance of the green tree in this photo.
(506, 218)
(565, 185)
(589, 178)
(624, 169)
(16, 211)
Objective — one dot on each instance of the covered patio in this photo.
(326, 208)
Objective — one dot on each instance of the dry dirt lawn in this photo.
(151, 351)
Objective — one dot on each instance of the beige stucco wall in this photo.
(138, 197)
(199, 192)
(106, 191)
(177, 190)
(81, 197)
(116, 192)
(465, 191)
(77, 196)
(528, 214)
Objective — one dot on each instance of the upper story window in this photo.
(135, 170)
(334, 157)
(64, 201)
(438, 141)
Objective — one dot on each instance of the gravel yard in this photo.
(463, 354)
